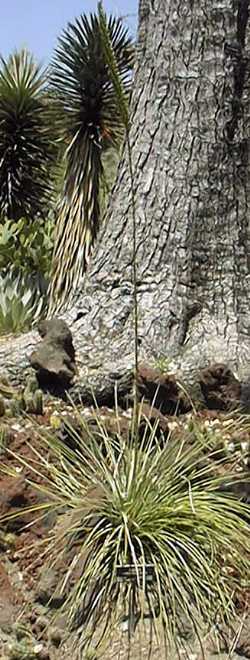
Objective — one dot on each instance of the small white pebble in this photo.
(230, 447)
(173, 425)
(245, 446)
(16, 427)
(86, 412)
(38, 648)
(18, 469)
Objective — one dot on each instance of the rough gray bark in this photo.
(190, 143)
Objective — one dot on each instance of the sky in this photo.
(36, 24)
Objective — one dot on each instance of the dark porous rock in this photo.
(48, 590)
(162, 391)
(14, 498)
(120, 425)
(220, 388)
(54, 357)
(55, 636)
(152, 418)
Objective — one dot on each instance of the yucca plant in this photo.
(27, 137)
(91, 125)
(156, 532)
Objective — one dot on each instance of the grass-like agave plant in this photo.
(92, 124)
(138, 513)
(27, 137)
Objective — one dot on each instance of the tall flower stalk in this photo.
(122, 102)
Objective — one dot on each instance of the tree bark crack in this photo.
(234, 51)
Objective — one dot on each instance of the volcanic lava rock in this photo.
(54, 357)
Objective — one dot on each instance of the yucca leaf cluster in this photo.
(91, 124)
(27, 137)
(143, 508)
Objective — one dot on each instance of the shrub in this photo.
(21, 303)
(27, 247)
(144, 510)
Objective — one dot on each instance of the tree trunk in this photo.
(190, 152)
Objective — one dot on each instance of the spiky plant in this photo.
(27, 137)
(21, 302)
(92, 124)
(156, 531)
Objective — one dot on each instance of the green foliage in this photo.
(21, 303)
(22, 650)
(162, 364)
(14, 401)
(166, 510)
(26, 246)
(91, 125)
(34, 403)
(27, 137)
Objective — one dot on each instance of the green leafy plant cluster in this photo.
(14, 402)
(22, 650)
(28, 145)
(60, 133)
(27, 246)
(92, 126)
(21, 303)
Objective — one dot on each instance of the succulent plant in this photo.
(21, 303)
(33, 402)
(31, 384)
(15, 407)
(5, 437)
(38, 402)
